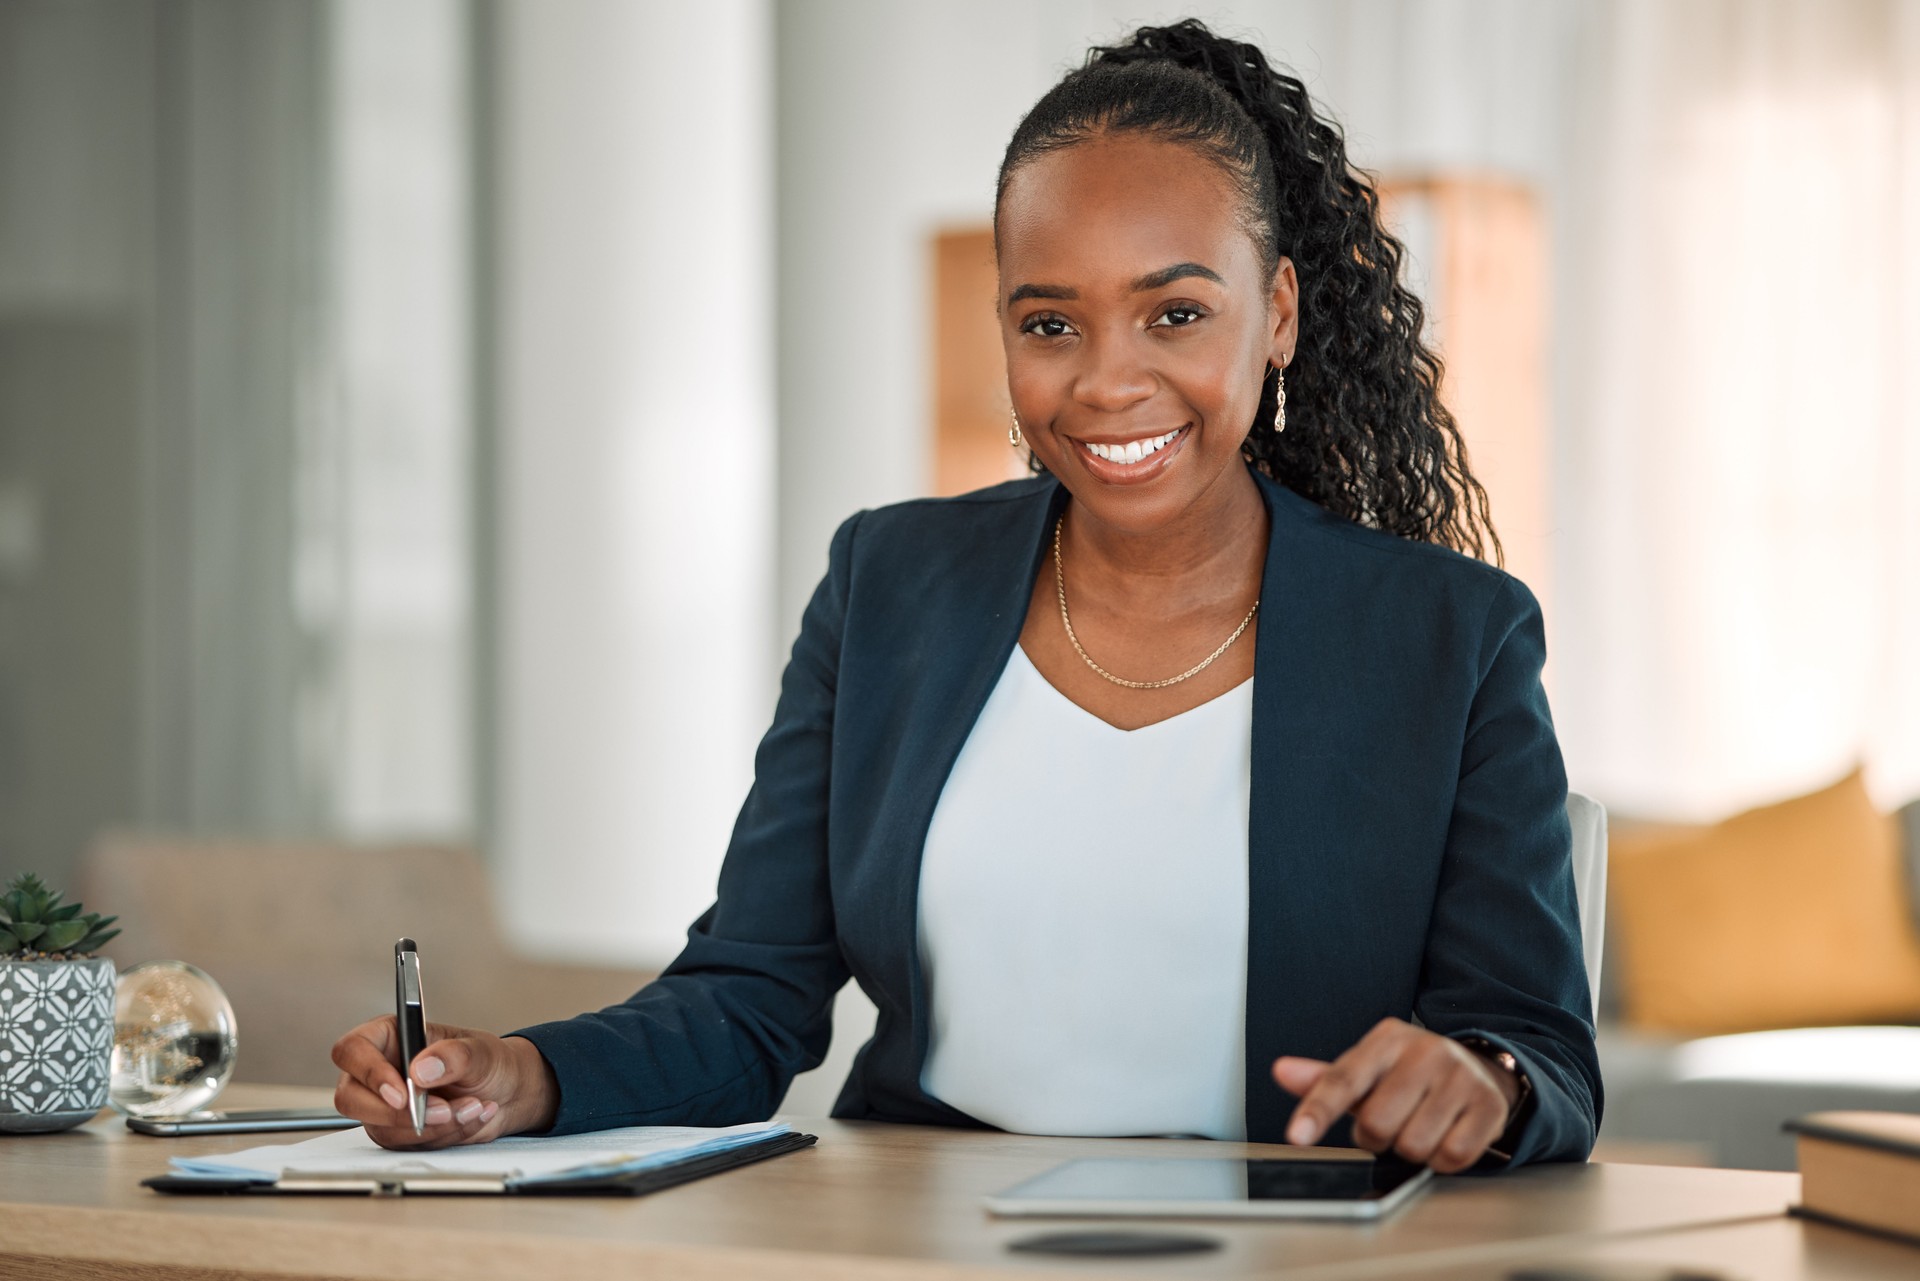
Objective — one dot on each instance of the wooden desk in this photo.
(872, 1200)
(1772, 1249)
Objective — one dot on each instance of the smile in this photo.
(1131, 452)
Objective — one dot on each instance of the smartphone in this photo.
(243, 1121)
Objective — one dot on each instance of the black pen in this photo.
(411, 1017)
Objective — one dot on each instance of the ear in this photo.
(1283, 313)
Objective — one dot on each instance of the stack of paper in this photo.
(518, 1161)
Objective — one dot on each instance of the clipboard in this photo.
(387, 1183)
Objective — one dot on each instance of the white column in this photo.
(635, 465)
(382, 570)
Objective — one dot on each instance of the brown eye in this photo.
(1178, 317)
(1046, 327)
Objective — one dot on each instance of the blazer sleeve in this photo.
(1503, 959)
(717, 1038)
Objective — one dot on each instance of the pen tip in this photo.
(404, 945)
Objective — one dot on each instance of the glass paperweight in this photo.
(173, 1040)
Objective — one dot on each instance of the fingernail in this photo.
(394, 1098)
(1302, 1131)
(429, 1070)
(438, 1112)
(468, 1110)
(489, 1112)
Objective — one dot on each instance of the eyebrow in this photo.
(1179, 271)
(1152, 280)
(1041, 291)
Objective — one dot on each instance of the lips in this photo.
(1126, 462)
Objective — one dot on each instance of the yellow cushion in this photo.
(1791, 915)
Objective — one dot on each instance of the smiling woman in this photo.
(1199, 784)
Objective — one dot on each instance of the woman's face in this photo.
(1138, 324)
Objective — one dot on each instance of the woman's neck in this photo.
(1213, 551)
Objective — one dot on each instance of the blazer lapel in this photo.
(956, 626)
(1296, 982)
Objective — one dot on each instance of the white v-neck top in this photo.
(1083, 917)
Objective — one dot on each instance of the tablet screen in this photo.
(1177, 1185)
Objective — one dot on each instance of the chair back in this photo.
(300, 936)
(1589, 820)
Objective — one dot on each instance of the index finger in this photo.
(1347, 1080)
(370, 1055)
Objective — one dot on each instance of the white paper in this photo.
(519, 1159)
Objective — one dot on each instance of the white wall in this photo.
(635, 494)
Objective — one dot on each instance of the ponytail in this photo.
(1368, 437)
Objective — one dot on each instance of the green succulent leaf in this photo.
(34, 918)
(62, 935)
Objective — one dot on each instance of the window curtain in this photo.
(1739, 425)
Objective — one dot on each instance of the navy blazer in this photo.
(1408, 845)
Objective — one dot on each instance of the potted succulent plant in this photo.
(56, 1010)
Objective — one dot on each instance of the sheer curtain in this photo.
(1739, 488)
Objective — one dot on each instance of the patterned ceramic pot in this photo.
(56, 1041)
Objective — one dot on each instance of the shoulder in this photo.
(1372, 569)
(922, 533)
(990, 506)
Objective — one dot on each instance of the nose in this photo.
(1113, 377)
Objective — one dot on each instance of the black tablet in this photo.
(1217, 1188)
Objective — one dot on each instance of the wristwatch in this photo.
(1503, 1059)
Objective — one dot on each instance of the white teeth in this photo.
(1134, 450)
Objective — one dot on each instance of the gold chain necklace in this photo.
(1060, 588)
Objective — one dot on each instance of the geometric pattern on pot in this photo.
(56, 1035)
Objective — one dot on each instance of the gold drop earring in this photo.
(1013, 431)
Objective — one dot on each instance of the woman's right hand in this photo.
(482, 1086)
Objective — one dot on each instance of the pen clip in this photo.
(410, 978)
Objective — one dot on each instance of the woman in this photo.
(1021, 782)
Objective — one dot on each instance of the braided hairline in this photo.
(1369, 437)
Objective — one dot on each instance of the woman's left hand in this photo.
(1414, 1092)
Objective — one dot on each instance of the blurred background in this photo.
(421, 424)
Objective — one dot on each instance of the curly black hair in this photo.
(1368, 437)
